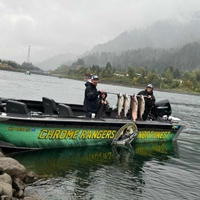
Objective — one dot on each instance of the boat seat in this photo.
(49, 106)
(2, 106)
(16, 107)
(64, 110)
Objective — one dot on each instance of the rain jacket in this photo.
(90, 103)
(102, 107)
(148, 102)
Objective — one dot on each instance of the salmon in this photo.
(134, 107)
(141, 106)
(120, 104)
(126, 104)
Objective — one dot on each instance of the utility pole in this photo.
(28, 57)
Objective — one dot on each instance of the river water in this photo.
(145, 171)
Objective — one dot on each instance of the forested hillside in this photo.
(13, 66)
(185, 58)
(162, 44)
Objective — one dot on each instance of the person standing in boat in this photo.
(103, 105)
(90, 104)
(149, 100)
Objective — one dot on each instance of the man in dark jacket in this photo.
(90, 104)
(149, 100)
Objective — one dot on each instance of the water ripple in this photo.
(147, 171)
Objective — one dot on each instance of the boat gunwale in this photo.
(75, 119)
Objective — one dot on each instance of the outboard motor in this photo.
(162, 108)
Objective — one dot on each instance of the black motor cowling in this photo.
(162, 108)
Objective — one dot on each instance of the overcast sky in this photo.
(54, 27)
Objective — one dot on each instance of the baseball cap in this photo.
(94, 77)
(150, 86)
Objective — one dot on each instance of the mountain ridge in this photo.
(163, 34)
(57, 60)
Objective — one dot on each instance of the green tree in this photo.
(70, 72)
(95, 69)
(142, 73)
(108, 72)
(81, 71)
(80, 61)
(131, 72)
(186, 76)
(176, 74)
(197, 72)
(154, 78)
(168, 76)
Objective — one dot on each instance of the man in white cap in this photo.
(90, 104)
(149, 100)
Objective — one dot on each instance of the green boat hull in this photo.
(29, 124)
(51, 133)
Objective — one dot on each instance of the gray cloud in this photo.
(64, 26)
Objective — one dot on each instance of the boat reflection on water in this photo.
(59, 162)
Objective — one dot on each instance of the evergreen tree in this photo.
(131, 72)
(176, 74)
(154, 78)
(168, 76)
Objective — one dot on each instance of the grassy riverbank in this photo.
(174, 90)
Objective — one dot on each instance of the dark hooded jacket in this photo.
(102, 107)
(149, 102)
(91, 98)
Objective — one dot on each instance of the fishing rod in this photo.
(128, 94)
(116, 93)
